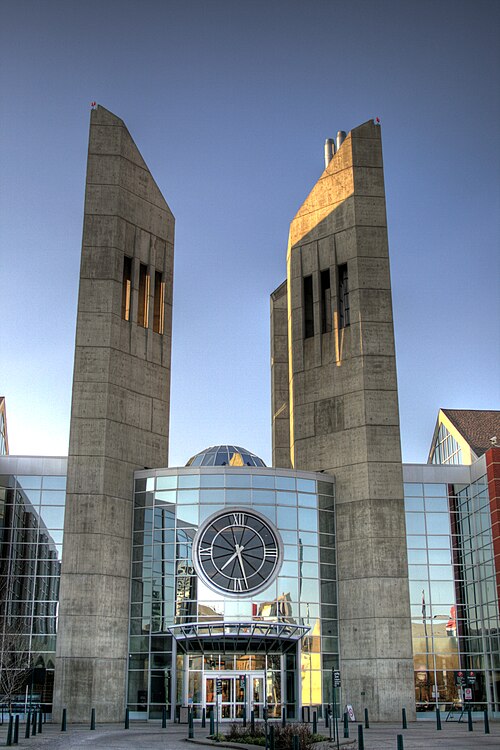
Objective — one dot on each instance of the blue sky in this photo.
(230, 103)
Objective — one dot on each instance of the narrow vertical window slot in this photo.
(143, 307)
(159, 303)
(308, 307)
(344, 309)
(126, 287)
(326, 302)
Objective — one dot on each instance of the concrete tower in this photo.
(335, 409)
(119, 416)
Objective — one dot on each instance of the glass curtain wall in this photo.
(454, 607)
(31, 531)
(166, 591)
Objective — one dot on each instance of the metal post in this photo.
(40, 719)
(16, 730)
(164, 717)
(252, 721)
(264, 711)
(400, 742)
(295, 742)
(361, 742)
(469, 719)
(283, 717)
(92, 719)
(190, 724)
(486, 722)
(204, 718)
(367, 722)
(271, 737)
(9, 731)
(438, 718)
(63, 720)
(405, 723)
(33, 724)
(28, 724)
(346, 724)
(315, 722)
(212, 722)
(127, 718)
(326, 716)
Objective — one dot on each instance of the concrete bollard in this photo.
(92, 719)
(346, 724)
(486, 722)
(8, 742)
(403, 715)
(63, 720)
(361, 741)
(438, 718)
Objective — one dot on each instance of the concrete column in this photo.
(119, 417)
(343, 407)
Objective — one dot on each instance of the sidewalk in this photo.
(420, 735)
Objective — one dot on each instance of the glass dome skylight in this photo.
(225, 455)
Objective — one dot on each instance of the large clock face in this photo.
(237, 551)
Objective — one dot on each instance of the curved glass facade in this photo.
(186, 631)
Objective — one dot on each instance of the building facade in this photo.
(161, 583)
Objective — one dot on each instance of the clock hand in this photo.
(238, 552)
(230, 560)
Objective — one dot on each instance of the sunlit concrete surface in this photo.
(422, 734)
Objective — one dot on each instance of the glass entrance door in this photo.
(238, 691)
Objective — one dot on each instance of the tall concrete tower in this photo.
(119, 415)
(335, 409)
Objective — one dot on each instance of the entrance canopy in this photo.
(245, 637)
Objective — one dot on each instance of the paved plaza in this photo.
(150, 736)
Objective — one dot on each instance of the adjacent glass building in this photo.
(233, 578)
(453, 588)
(32, 501)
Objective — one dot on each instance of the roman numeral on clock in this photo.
(205, 551)
(270, 552)
(239, 519)
(239, 584)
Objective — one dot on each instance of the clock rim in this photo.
(248, 510)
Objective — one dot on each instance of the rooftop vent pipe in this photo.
(341, 136)
(329, 151)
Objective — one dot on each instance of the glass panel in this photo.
(286, 518)
(263, 481)
(415, 523)
(212, 480)
(285, 483)
(166, 483)
(414, 503)
(309, 485)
